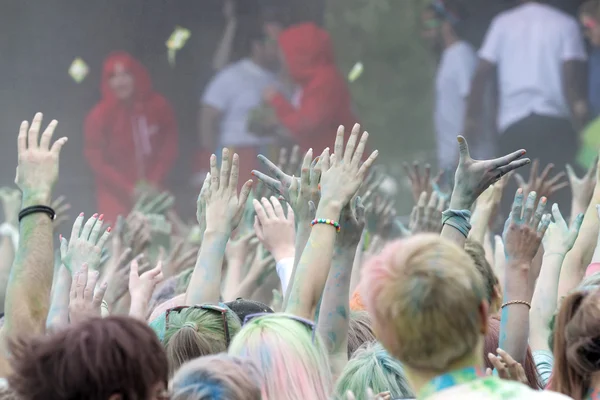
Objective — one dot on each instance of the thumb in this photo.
(463, 148)
(134, 270)
(570, 173)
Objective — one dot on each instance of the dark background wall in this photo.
(40, 38)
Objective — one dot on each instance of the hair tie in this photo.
(190, 324)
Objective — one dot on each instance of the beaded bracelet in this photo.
(326, 222)
(523, 302)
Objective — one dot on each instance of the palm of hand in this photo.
(82, 251)
(340, 181)
(352, 223)
(222, 210)
(521, 242)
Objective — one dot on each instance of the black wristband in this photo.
(35, 210)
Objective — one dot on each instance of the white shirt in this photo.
(236, 91)
(453, 84)
(529, 45)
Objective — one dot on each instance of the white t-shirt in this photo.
(529, 45)
(453, 84)
(235, 91)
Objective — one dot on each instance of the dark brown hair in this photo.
(491, 345)
(477, 253)
(577, 343)
(92, 360)
(359, 331)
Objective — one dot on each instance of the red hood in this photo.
(143, 84)
(306, 48)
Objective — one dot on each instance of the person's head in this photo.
(428, 304)
(493, 293)
(192, 332)
(443, 22)
(577, 343)
(589, 17)
(115, 358)
(292, 361)
(255, 40)
(216, 377)
(359, 331)
(372, 367)
(124, 78)
(243, 307)
(491, 346)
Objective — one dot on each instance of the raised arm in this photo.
(334, 313)
(30, 282)
(340, 180)
(223, 214)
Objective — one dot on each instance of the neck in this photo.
(449, 40)
(257, 61)
(419, 378)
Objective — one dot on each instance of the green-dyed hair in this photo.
(291, 365)
(194, 333)
(373, 367)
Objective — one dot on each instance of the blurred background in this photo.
(394, 95)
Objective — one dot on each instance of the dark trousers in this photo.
(549, 139)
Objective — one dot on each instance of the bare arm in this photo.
(223, 53)
(574, 88)
(484, 76)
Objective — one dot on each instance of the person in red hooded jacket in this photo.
(130, 135)
(325, 102)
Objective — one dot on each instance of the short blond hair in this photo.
(424, 295)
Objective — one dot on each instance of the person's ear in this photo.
(483, 316)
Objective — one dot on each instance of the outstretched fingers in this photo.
(225, 169)
(274, 169)
(507, 159)
(513, 165)
(47, 135)
(34, 131)
(351, 145)
(338, 148)
(22, 138)
(362, 172)
(235, 173)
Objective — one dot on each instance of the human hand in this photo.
(474, 176)
(85, 245)
(37, 170)
(420, 183)
(180, 259)
(426, 216)
(524, 229)
(201, 204)
(136, 232)
(274, 230)
(582, 188)
(142, 286)
(352, 224)
(342, 173)
(60, 207)
(11, 204)
(240, 249)
(541, 184)
(289, 165)
(508, 369)
(150, 203)
(224, 207)
(559, 238)
(85, 299)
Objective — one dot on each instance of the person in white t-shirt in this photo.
(233, 93)
(444, 22)
(537, 54)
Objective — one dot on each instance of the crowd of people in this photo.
(302, 282)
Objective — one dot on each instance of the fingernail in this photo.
(281, 198)
(252, 173)
(101, 217)
(95, 215)
(543, 200)
(108, 229)
(520, 191)
(523, 151)
(528, 161)
(60, 237)
(81, 214)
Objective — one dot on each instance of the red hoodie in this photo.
(325, 103)
(128, 142)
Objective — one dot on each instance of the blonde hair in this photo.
(424, 295)
(359, 331)
(216, 377)
(291, 365)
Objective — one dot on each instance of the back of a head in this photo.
(577, 343)
(216, 377)
(372, 367)
(195, 332)
(427, 301)
(359, 331)
(291, 365)
(92, 360)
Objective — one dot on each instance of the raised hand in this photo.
(426, 216)
(142, 286)
(420, 183)
(274, 230)
(11, 204)
(542, 185)
(559, 238)
(37, 171)
(474, 176)
(86, 243)
(582, 188)
(352, 224)
(60, 207)
(289, 165)
(224, 208)
(85, 299)
(343, 173)
(524, 229)
(278, 181)
(149, 203)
